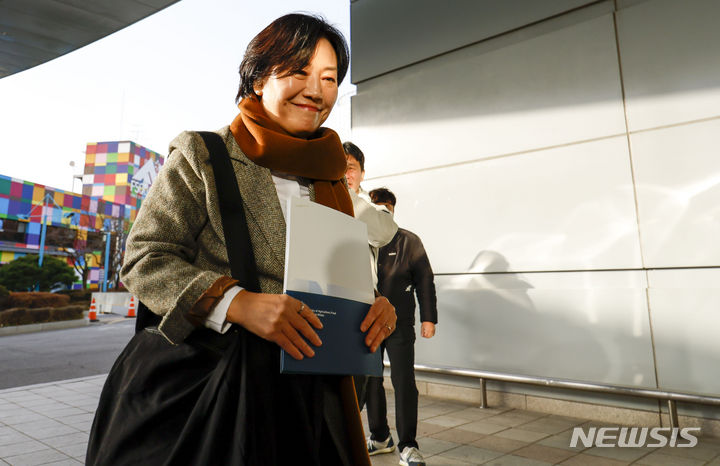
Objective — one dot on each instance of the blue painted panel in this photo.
(4, 205)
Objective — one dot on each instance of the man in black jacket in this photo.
(403, 271)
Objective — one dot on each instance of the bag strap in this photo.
(237, 237)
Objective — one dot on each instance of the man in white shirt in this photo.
(379, 219)
(355, 171)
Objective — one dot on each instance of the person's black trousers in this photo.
(400, 347)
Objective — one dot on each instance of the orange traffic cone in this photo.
(92, 315)
(131, 307)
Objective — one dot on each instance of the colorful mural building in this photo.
(116, 178)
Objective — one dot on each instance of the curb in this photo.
(31, 328)
(49, 384)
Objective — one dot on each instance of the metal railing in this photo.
(671, 397)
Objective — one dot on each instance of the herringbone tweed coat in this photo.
(176, 250)
(176, 247)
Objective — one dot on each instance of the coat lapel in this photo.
(260, 197)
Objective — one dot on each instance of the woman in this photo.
(204, 386)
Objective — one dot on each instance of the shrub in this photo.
(77, 296)
(23, 316)
(4, 295)
(23, 273)
(36, 299)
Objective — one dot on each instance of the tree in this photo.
(54, 271)
(80, 256)
(23, 273)
(84, 253)
(81, 264)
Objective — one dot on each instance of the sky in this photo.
(173, 71)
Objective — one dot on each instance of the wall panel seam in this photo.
(546, 148)
(486, 39)
(635, 194)
(636, 269)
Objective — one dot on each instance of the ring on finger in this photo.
(302, 308)
(390, 329)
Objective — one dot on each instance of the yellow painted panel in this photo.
(38, 193)
(93, 260)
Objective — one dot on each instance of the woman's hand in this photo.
(278, 318)
(380, 320)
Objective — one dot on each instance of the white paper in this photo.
(326, 252)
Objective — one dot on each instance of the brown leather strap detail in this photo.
(208, 300)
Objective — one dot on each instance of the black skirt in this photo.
(214, 400)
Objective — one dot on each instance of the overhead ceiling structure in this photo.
(33, 32)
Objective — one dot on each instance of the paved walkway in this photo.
(49, 424)
(455, 433)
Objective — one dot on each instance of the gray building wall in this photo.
(559, 160)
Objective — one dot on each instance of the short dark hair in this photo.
(285, 46)
(355, 152)
(382, 195)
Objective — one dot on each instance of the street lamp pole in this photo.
(107, 255)
(43, 233)
(107, 230)
(43, 229)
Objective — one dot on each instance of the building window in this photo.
(95, 241)
(12, 231)
(60, 237)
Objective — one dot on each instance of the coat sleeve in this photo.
(380, 224)
(163, 244)
(423, 279)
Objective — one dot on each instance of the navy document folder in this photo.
(327, 267)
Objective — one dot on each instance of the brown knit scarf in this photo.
(320, 158)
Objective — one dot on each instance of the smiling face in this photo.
(301, 101)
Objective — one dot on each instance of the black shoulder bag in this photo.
(212, 399)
